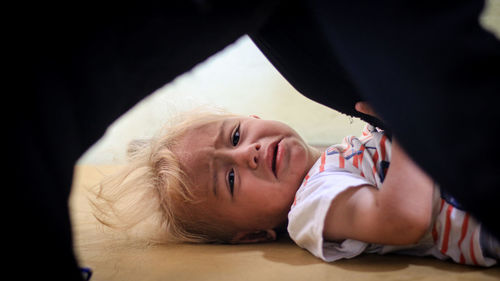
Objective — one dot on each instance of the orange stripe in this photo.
(305, 180)
(434, 234)
(341, 161)
(472, 255)
(382, 147)
(447, 227)
(360, 159)
(295, 200)
(465, 225)
(322, 166)
(375, 158)
(442, 204)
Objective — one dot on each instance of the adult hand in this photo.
(365, 108)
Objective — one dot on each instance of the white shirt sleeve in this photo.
(306, 218)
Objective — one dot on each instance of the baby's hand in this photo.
(365, 108)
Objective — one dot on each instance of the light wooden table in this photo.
(282, 260)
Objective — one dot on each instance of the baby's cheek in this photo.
(281, 203)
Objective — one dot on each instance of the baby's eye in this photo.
(230, 180)
(236, 136)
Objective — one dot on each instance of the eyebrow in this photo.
(214, 188)
(219, 139)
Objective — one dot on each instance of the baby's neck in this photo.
(315, 153)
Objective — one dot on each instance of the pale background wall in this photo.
(241, 80)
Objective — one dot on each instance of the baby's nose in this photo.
(252, 155)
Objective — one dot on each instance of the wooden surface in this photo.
(283, 260)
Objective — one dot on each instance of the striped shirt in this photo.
(453, 233)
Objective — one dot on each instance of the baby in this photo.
(232, 179)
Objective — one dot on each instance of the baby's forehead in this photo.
(197, 135)
(211, 127)
(195, 151)
(196, 167)
(205, 134)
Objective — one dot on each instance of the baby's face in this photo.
(246, 169)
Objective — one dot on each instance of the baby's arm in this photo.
(398, 213)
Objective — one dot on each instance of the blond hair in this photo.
(152, 192)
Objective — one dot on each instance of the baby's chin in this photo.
(298, 179)
(304, 158)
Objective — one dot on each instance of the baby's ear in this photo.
(245, 237)
(255, 116)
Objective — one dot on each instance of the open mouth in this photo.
(274, 159)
